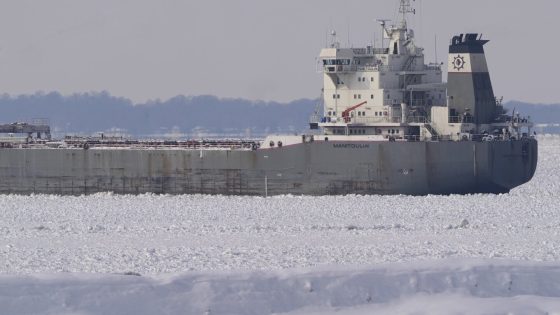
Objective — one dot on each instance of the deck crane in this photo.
(346, 113)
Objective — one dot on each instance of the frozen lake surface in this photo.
(151, 234)
(489, 254)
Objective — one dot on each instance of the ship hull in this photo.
(314, 168)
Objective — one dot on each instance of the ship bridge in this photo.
(391, 91)
(379, 90)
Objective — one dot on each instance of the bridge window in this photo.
(371, 96)
(336, 62)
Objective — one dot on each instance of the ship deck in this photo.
(99, 144)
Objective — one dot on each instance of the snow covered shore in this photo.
(442, 287)
(482, 254)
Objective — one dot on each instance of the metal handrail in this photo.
(410, 119)
(461, 119)
(365, 120)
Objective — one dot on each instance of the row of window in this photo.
(393, 131)
(360, 114)
(363, 79)
(351, 131)
(334, 62)
(356, 96)
(359, 96)
(357, 131)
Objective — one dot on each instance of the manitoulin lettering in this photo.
(351, 145)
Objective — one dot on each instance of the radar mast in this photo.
(404, 9)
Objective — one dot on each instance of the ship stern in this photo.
(511, 164)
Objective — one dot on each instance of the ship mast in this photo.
(404, 9)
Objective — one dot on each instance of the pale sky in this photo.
(253, 49)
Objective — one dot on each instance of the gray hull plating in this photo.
(315, 168)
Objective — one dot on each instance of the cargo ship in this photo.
(387, 124)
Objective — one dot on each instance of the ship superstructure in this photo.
(391, 92)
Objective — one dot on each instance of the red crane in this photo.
(346, 113)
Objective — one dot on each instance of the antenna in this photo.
(435, 46)
(382, 22)
(405, 8)
(334, 41)
(348, 40)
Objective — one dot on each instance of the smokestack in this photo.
(469, 82)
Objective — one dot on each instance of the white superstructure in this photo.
(390, 91)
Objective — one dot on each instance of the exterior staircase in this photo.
(432, 131)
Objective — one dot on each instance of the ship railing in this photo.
(420, 102)
(313, 119)
(461, 119)
(411, 120)
(359, 51)
(368, 68)
(396, 120)
(380, 51)
(390, 102)
(412, 138)
(354, 68)
(161, 144)
(370, 51)
(339, 68)
(369, 120)
(418, 120)
(515, 119)
(432, 67)
(465, 137)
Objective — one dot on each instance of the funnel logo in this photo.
(459, 62)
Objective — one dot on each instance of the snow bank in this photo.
(442, 287)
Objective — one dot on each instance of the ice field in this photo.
(251, 249)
